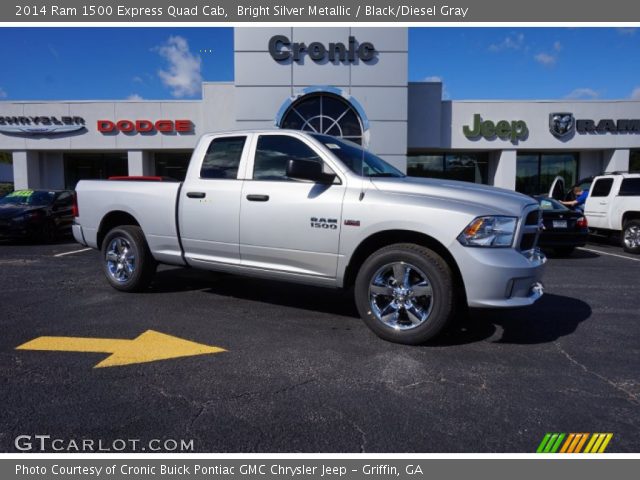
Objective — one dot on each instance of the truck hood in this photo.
(496, 200)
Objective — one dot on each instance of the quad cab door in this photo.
(209, 204)
(288, 225)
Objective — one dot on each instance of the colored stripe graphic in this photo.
(574, 442)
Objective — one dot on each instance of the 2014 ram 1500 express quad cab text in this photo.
(319, 210)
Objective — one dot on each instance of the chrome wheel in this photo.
(121, 260)
(632, 236)
(400, 296)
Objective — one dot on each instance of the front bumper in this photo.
(500, 277)
(18, 230)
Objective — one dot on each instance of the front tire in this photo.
(405, 293)
(631, 236)
(126, 259)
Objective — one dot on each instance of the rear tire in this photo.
(630, 237)
(405, 293)
(126, 259)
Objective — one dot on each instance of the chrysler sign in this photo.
(40, 125)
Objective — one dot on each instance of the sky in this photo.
(170, 63)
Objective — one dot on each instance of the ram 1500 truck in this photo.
(319, 210)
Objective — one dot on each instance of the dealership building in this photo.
(349, 82)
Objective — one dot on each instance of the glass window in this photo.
(465, 166)
(634, 161)
(324, 113)
(535, 172)
(630, 187)
(93, 166)
(171, 164)
(602, 187)
(274, 152)
(223, 158)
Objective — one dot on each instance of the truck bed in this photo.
(151, 204)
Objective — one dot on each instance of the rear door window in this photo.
(602, 187)
(222, 159)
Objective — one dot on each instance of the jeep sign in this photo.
(513, 130)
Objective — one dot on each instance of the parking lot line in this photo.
(72, 252)
(610, 254)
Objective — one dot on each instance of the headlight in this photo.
(489, 232)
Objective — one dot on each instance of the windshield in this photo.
(352, 155)
(28, 197)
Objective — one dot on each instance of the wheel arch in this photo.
(111, 220)
(628, 216)
(385, 238)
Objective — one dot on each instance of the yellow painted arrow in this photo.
(151, 346)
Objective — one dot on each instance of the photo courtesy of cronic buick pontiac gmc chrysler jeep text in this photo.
(315, 209)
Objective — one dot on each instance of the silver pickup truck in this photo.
(314, 209)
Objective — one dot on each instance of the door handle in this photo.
(258, 198)
(196, 194)
(603, 203)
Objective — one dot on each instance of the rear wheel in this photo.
(404, 293)
(127, 260)
(631, 236)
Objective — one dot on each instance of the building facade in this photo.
(349, 82)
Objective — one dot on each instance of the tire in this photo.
(630, 237)
(411, 311)
(564, 251)
(126, 259)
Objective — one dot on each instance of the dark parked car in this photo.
(564, 229)
(42, 215)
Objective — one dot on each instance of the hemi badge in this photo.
(352, 223)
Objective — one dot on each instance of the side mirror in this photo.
(308, 170)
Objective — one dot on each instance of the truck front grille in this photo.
(530, 229)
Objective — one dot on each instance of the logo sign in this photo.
(40, 125)
(608, 126)
(514, 130)
(281, 49)
(574, 443)
(564, 124)
(133, 127)
(561, 124)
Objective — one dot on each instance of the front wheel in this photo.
(631, 236)
(404, 293)
(127, 260)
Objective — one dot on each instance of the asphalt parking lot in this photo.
(302, 373)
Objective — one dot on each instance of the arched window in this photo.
(324, 113)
